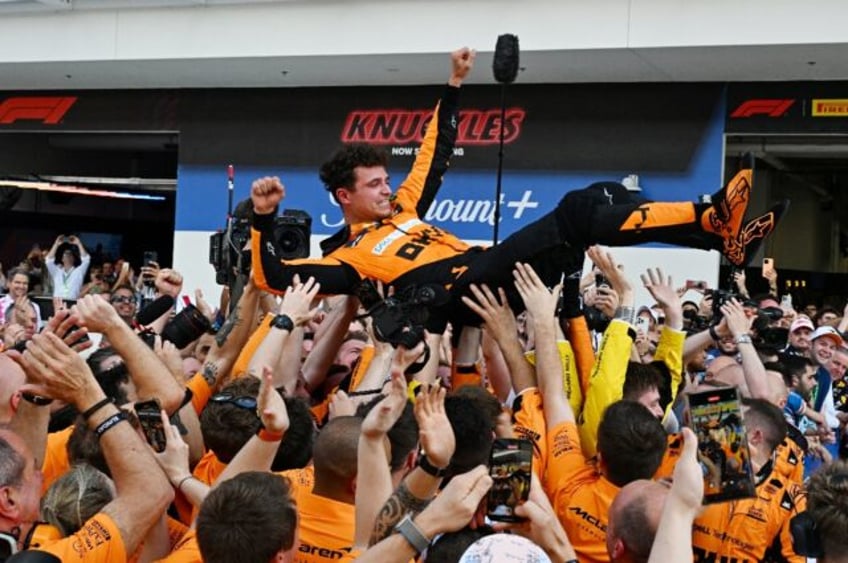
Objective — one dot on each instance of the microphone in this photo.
(155, 310)
(505, 62)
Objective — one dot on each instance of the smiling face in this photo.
(368, 199)
(18, 285)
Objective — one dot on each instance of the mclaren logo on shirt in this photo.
(323, 552)
(590, 518)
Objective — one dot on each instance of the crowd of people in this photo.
(374, 404)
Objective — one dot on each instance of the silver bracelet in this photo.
(743, 339)
(626, 313)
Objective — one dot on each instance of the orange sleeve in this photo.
(581, 344)
(200, 392)
(361, 366)
(246, 354)
(56, 461)
(98, 541)
(567, 469)
(528, 420)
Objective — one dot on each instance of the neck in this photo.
(18, 531)
(333, 492)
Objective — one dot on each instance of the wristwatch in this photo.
(429, 468)
(283, 322)
(743, 339)
(412, 534)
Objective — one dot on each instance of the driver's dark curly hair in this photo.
(338, 171)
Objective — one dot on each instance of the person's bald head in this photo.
(727, 370)
(634, 516)
(12, 378)
(335, 453)
(777, 390)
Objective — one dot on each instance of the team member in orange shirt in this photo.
(631, 440)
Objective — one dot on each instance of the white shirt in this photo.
(67, 285)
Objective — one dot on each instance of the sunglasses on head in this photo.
(243, 402)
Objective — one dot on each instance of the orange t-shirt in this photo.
(581, 497)
(56, 462)
(326, 528)
(186, 551)
(528, 421)
(98, 541)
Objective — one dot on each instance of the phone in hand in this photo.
(699, 285)
(768, 267)
(150, 417)
(643, 325)
(602, 281)
(150, 257)
(510, 467)
(715, 416)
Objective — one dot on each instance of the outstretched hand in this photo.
(498, 318)
(384, 415)
(462, 61)
(434, 429)
(539, 300)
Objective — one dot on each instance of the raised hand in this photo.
(497, 316)
(297, 300)
(384, 415)
(662, 289)
(434, 429)
(174, 459)
(607, 265)
(462, 61)
(270, 406)
(266, 194)
(169, 282)
(606, 300)
(539, 300)
(95, 314)
(55, 370)
(737, 321)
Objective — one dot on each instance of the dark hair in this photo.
(18, 271)
(631, 442)
(335, 455)
(84, 446)
(403, 435)
(338, 171)
(473, 427)
(639, 379)
(793, 366)
(67, 247)
(827, 505)
(822, 311)
(226, 427)
(295, 450)
(110, 380)
(767, 418)
(247, 519)
(450, 547)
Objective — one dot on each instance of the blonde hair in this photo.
(75, 497)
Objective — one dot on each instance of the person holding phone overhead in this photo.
(67, 268)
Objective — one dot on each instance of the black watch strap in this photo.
(283, 322)
(429, 468)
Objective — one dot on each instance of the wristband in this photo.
(109, 423)
(743, 339)
(96, 407)
(268, 436)
(713, 334)
(412, 534)
(429, 468)
(182, 481)
(37, 400)
(189, 395)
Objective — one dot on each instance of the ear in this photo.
(411, 460)
(617, 549)
(14, 401)
(9, 506)
(343, 195)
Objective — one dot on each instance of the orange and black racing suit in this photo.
(403, 250)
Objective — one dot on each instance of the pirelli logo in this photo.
(834, 107)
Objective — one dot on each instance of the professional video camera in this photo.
(229, 250)
(400, 318)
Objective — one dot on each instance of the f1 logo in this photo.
(47, 109)
(769, 107)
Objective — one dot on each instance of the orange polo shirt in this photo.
(98, 541)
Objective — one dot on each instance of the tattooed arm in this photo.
(437, 444)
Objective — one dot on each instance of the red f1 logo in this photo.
(48, 110)
(769, 107)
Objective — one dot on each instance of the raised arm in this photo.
(142, 490)
(740, 326)
(670, 344)
(541, 304)
(499, 323)
(294, 311)
(150, 375)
